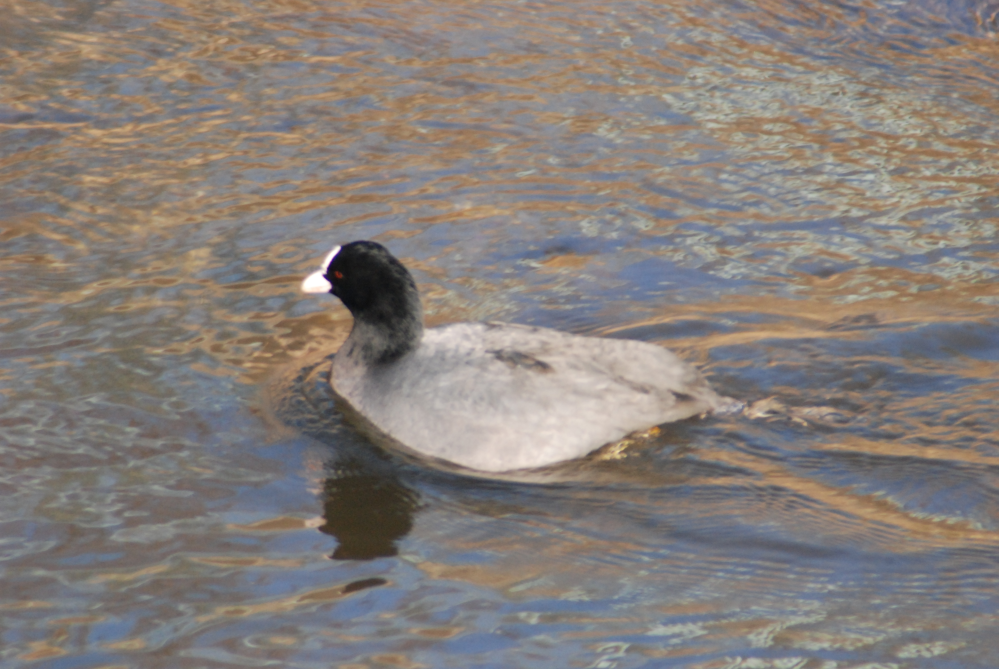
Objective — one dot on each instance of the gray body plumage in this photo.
(496, 397)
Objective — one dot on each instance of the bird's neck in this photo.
(385, 332)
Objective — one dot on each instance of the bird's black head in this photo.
(378, 290)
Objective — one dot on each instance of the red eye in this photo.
(338, 274)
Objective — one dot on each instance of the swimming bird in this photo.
(492, 396)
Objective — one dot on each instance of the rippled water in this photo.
(799, 196)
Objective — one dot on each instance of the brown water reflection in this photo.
(800, 197)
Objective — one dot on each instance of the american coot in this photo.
(492, 396)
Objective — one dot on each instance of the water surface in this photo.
(798, 196)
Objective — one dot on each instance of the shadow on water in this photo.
(367, 514)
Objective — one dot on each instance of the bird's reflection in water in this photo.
(367, 511)
(366, 507)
